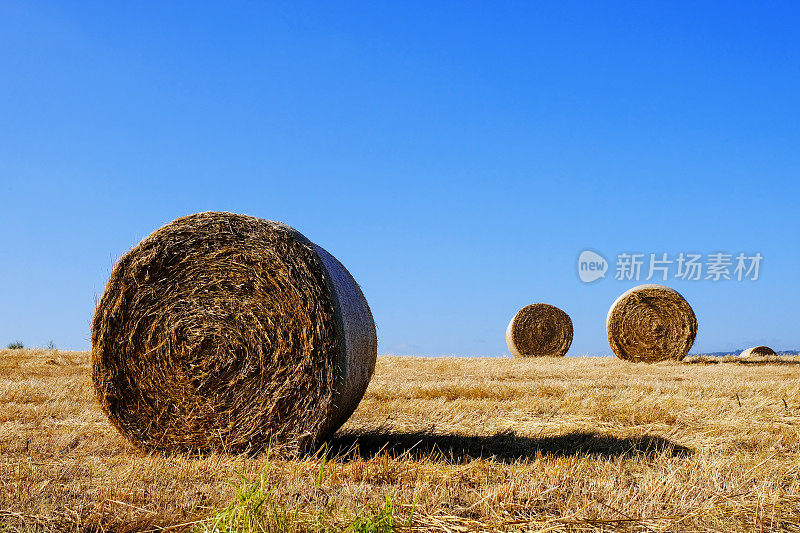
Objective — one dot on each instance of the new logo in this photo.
(591, 266)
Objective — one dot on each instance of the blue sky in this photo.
(456, 157)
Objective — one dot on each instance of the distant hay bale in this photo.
(651, 323)
(539, 330)
(758, 351)
(225, 332)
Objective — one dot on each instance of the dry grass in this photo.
(470, 444)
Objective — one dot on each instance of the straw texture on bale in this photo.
(225, 332)
(539, 330)
(651, 323)
(758, 351)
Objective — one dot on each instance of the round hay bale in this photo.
(225, 332)
(651, 323)
(539, 330)
(758, 351)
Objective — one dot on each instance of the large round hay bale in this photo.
(225, 332)
(758, 351)
(651, 323)
(539, 330)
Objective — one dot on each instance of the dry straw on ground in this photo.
(225, 332)
(457, 444)
(758, 351)
(651, 323)
(539, 330)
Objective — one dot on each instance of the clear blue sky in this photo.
(456, 157)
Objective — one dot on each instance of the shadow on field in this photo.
(505, 447)
(735, 360)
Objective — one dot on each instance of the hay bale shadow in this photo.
(737, 360)
(506, 447)
(767, 362)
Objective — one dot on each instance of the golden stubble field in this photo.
(442, 444)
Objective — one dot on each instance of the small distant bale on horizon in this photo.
(651, 323)
(758, 351)
(539, 330)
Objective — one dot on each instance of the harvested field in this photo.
(448, 444)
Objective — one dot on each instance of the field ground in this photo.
(437, 444)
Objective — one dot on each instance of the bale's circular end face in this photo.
(224, 332)
(758, 351)
(651, 323)
(539, 330)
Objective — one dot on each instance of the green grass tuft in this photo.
(254, 509)
(379, 519)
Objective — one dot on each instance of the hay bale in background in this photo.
(758, 351)
(651, 323)
(224, 332)
(539, 330)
